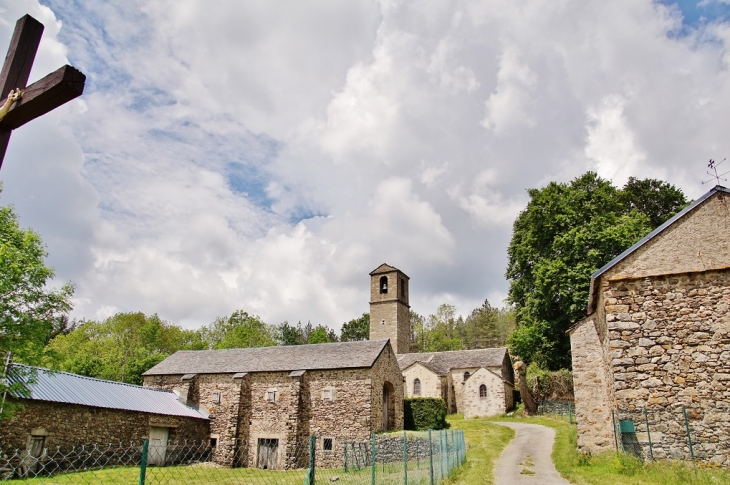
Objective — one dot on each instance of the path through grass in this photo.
(617, 468)
(484, 443)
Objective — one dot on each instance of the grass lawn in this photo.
(484, 443)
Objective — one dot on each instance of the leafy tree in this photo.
(29, 309)
(319, 335)
(240, 330)
(418, 332)
(121, 348)
(658, 200)
(486, 327)
(289, 334)
(566, 232)
(356, 329)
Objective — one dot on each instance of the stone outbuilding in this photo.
(473, 382)
(446, 375)
(64, 410)
(264, 403)
(657, 336)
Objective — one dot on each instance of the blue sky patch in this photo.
(696, 12)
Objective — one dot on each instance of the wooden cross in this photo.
(40, 97)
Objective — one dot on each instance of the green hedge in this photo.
(424, 413)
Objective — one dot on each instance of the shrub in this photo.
(553, 385)
(424, 413)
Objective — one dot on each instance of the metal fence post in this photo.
(648, 435)
(143, 464)
(312, 457)
(345, 457)
(615, 437)
(405, 458)
(430, 455)
(689, 438)
(448, 452)
(372, 460)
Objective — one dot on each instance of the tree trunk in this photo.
(530, 404)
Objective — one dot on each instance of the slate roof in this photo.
(595, 277)
(386, 268)
(336, 355)
(442, 362)
(63, 387)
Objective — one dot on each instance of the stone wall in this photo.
(69, 425)
(473, 404)
(384, 370)
(670, 346)
(699, 241)
(389, 311)
(432, 385)
(592, 381)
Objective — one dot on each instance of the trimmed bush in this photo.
(424, 413)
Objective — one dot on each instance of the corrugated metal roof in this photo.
(63, 387)
(595, 276)
(336, 355)
(442, 362)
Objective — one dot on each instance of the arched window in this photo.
(384, 284)
(417, 387)
(482, 391)
(466, 375)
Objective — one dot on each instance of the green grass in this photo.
(484, 443)
(617, 468)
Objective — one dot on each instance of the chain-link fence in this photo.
(403, 458)
(675, 432)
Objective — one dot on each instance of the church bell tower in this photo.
(389, 307)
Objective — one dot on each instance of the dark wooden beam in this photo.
(21, 53)
(43, 96)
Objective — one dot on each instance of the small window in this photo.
(328, 395)
(216, 398)
(213, 442)
(327, 444)
(466, 375)
(417, 387)
(482, 391)
(271, 396)
(383, 284)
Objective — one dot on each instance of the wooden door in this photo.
(158, 445)
(268, 453)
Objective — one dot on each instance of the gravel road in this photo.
(526, 459)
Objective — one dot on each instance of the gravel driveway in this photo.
(526, 459)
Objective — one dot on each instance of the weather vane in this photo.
(712, 165)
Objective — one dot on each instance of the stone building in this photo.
(264, 403)
(65, 410)
(473, 382)
(657, 336)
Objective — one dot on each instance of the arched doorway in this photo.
(388, 406)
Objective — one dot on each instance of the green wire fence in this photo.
(410, 457)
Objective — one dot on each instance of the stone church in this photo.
(657, 336)
(473, 382)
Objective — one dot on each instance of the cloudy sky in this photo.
(266, 156)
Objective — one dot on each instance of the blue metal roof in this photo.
(63, 387)
(596, 276)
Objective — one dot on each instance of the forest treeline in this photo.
(124, 346)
